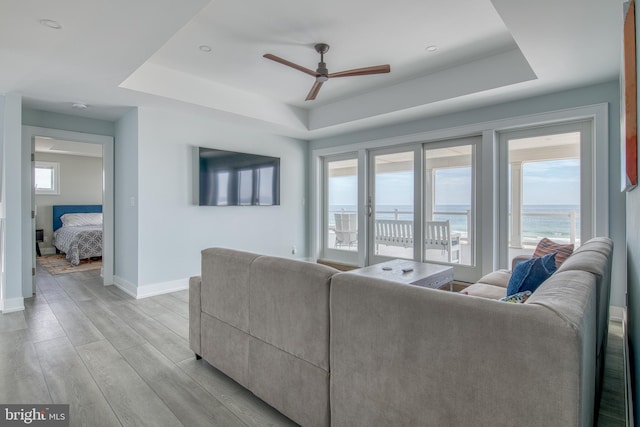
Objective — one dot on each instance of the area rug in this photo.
(58, 264)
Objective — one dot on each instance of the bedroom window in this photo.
(47, 178)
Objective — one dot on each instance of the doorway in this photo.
(393, 220)
(77, 143)
(547, 187)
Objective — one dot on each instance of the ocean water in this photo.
(538, 221)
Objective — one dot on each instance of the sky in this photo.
(544, 183)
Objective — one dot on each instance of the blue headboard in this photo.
(59, 210)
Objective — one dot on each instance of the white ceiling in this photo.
(56, 146)
(116, 54)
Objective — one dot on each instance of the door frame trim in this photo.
(107, 142)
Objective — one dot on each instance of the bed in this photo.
(77, 231)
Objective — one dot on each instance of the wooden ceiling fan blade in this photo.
(377, 69)
(314, 91)
(290, 64)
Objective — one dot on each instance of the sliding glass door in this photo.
(548, 191)
(413, 202)
(449, 208)
(393, 220)
(341, 234)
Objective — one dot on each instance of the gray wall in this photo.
(172, 230)
(16, 220)
(80, 184)
(602, 93)
(47, 119)
(126, 187)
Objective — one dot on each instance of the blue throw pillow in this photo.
(529, 274)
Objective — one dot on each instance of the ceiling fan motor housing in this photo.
(322, 48)
(323, 72)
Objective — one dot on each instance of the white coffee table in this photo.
(410, 272)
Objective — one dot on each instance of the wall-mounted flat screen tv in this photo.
(229, 178)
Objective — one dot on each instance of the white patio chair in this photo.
(346, 229)
(438, 236)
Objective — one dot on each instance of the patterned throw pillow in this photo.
(519, 297)
(530, 274)
(546, 246)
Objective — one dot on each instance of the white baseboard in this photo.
(12, 304)
(616, 314)
(154, 289)
(151, 289)
(125, 286)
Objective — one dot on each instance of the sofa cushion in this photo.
(484, 290)
(546, 246)
(530, 274)
(289, 302)
(297, 388)
(497, 278)
(225, 285)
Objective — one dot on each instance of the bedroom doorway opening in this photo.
(68, 204)
(72, 174)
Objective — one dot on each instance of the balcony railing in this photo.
(528, 236)
(464, 228)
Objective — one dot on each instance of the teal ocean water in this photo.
(538, 221)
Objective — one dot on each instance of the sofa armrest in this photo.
(195, 309)
(405, 355)
(518, 259)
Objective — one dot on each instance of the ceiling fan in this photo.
(322, 74)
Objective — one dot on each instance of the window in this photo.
(502, 186)
(392, 202)
(342, 204)
(448, 199)
(545, 186)
(47, 178)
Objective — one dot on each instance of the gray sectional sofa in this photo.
(264, 321)
(330, 348)
(594, 257)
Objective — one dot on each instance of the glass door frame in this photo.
(372, 257)
(466, 272)
(358, 256)
(588, 186)
(489, 187)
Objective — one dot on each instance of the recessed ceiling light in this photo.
(79, 105)
(50, 23)
(431, 48)
(205, 48)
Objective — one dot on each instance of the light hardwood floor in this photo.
(120, 361)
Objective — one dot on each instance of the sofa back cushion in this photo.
(225, 285)
(546, 246)
(289, 302)
(594, 256)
